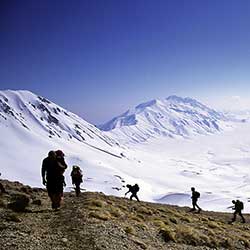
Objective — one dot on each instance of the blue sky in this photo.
(99, 57)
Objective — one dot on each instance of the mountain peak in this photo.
(175, 98)
(173, 116)
(33, 114)
(146, 104)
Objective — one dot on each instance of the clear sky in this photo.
(99, 57)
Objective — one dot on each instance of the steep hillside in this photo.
(36, 114)
(31, 125)
(171, 117)
(95, 221)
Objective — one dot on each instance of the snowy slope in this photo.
(42, 117)
(31, 125)
(171, 117)
(216, 161)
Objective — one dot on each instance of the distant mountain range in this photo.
(162, 145)
(170, 117)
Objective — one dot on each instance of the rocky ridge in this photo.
(96, 221)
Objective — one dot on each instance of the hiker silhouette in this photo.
(195, 196)
(53, 167)
(133, 190)
(238, 207)
(2, 189)
(76, 176)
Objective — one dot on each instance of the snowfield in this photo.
(192, 145)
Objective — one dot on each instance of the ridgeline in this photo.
(96, 221)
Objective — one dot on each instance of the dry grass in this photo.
(144, 211)
(167, 234)
(129, 230)
(171, 224)
(213, 225)
(101, 215)
(141, 225)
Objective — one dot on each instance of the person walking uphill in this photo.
(133, 190)
(52, 177)
(62, 164)
(76, 176)
(195, 196)
(238, 207)
(2, 189)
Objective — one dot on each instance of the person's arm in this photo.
(63, 163)
(44, 170)
(127, 192)
(72, 179)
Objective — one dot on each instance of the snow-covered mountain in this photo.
(31, 125)
(35, 114)
(170, 117)
(165, 167)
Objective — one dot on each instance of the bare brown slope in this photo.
(96, 221)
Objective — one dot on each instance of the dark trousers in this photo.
(55, 191)
(194, 203)
(56, 199)
(77, 188)
(2, 189)
(240, 214)
(134, 195)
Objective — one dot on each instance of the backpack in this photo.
(136, 188)
(76, 174)
(197, 195)
(241, 205)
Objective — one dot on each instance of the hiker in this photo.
(195, 196)
(2, 189)
(238, 207)
(76, 176)
(52, 177)
(62, 164)
(133, 189)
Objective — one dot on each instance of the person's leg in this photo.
(199, 209)
(243, 219)
(59, 193)
(57, 200)
(234, 216)
(2, 188)
(51, 188)
(193, 204)
(131, 197)
(78, 190)
(53, 200)
(135, 195)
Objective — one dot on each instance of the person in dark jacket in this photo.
(133, 190)
(52, 177)
(238, 207)
(76, 176)
(2, 189)
(195, 196)
(62, 164)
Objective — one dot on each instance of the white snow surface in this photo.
(213, 158)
